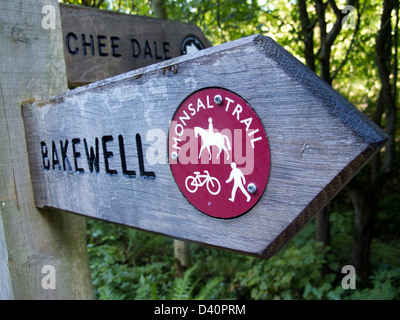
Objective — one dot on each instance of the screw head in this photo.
(251, 187)
(174, 155)
(218, 99)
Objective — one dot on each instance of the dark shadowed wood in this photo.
(99, 44)
(318, 141)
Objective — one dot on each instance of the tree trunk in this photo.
(307, 29)
(365, 206)
(327, 40)
(159, 9)
(383, 50)
(42, 253)
(322, 230)
(366, 201)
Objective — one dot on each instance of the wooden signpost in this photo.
(236, 146)
(43, 253)
(99, 44)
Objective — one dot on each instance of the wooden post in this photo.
(42, 254)
(183, 257)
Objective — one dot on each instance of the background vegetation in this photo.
(352, 48)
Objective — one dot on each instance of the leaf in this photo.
(145, 289)
(207, 291)
(182, 287)
(107, 293)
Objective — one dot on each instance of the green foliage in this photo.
(294, 273)
(182, 287)
(385, 286)
(105, 293)
(130, 264)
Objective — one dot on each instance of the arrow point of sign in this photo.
(364, 130)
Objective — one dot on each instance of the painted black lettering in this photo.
(166, 50)
(64, 156)
(92, 156)
(147, 50)
(144, 174)
(135, 45)
(125, 171)
(76, 154)
(101, 45)
(45, 158)
(155, 51)
(68, 44)
(55, 158)
(87, 44)
(114, 47)
(107, 154)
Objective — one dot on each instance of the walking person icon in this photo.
(239, 181)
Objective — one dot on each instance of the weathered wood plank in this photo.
(99, 44)
(32, 67)
(318, 141)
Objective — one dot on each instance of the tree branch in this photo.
(334, 32)
(325, 48)
(98, 4)
(320, 9)
(383, 60)
(395, 57)
(335, 8)
(308, 33)
(356, 29)
(328, 38)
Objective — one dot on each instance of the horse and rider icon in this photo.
(210, 138)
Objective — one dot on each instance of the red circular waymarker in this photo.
(219, 153)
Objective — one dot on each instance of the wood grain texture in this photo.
(318, 141)
(32, 67)
(99, 44)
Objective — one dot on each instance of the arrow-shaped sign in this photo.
(236, 146)
(99, 44)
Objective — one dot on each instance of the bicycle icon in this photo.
(194, 182)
